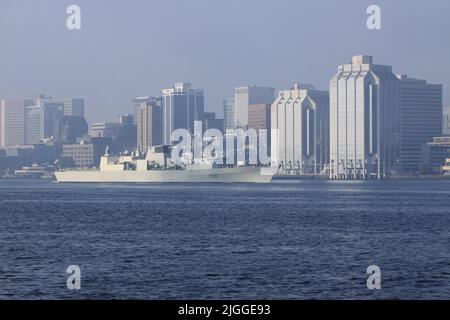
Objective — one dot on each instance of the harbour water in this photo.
(308, 239)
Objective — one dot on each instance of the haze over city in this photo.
(125, 50)
(235, 153)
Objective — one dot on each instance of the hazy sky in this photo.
(134, 48)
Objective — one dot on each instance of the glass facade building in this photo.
(420, 120)
(33, 120)
(182, 106)
(229, 114)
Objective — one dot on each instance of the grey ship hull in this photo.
(221, 175)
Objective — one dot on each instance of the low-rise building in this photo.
(87, 152)
(435, 154)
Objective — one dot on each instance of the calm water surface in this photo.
(292, 240)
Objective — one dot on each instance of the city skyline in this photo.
(103, 64)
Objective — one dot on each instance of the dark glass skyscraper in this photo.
(182, 106)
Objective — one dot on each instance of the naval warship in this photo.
(156, 166)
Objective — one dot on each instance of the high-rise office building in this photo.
(12, 122)
(43, 121)
(72, 106)
(364, 120)
(229, 114)
(420, 119)
(126, 139)
(33, 125)
(300, 130)
(182, 106)
(149, 122)
(245, 96)
(259, 116)
(259, 119)
(30, 121)
(137, 103)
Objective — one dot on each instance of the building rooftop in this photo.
(362, 59)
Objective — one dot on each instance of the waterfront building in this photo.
(364, 120)
(15, 157)
(300, 130)
(420, 119)
(149, 120)
(86, 153)
(181, 106)
(434, 155)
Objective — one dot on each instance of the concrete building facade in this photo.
(300, 131)
(12, 122)
(86, 153)
(364, 120)
(149, 121)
